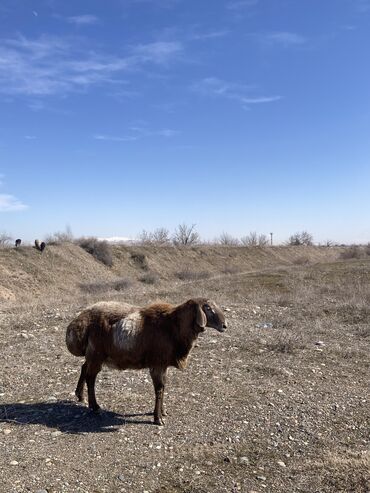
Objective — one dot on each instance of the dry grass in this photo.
(287, 382)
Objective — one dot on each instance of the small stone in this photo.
(6, 431)
(319, 343)
(281, 463)
(244, 460)
(24, 335)
(121, 477)
(55, 433)
(14, 463)
(261, 478)
(42, 491)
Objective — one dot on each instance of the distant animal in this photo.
(123, 336)
(42, 246)
(18, 242)
(37, 244)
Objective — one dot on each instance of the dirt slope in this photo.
(62, 271)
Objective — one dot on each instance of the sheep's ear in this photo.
(201, 318)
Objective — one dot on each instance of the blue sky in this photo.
(236, 115)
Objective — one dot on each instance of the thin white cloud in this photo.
(210, 35)
(158, 52)
(82, 20)
(363, 6)
(283, 38)
(136, 133)
(58, 66)
(261, 100)
(212, 86)
(154, 3)
(113, 138)
(241, 4)
(166, 132)
(9, 203)
(30, 137)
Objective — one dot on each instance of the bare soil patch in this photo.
(278, 403)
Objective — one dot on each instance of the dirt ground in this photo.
(277, 403)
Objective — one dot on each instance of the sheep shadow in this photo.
(68, 417)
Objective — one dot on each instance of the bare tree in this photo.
(227, 240)
(185, 235)
(5, 239)
(263, 240)
(161, 236)
(145, 237)
(250, 240)
(302, 238)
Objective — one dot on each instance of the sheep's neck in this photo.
(185, 341)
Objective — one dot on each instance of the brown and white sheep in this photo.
(123, 336)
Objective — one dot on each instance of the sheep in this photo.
(42, 246)
(37, 244)
(18, 242)
(123, 336)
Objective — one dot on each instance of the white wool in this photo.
(125, 331)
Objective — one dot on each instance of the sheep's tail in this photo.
(77, 337)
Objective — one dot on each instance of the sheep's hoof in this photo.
(80, 397)
(95, 409)
(159, 421)
(164, 413)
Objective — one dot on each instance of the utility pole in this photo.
(271, 238)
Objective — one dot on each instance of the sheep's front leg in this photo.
(92, 369)
(159, 380)
(81, 383)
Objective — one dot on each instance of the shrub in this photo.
(59, 237)
(354, 251)
(303, 260)
(191, 275)
(254, 240)
(101, 250)
(100, 287)
(5, 239)
(227, 240)
(250, 240)
(140, 260)
(149, 278)
(230, 269)
(160, 236)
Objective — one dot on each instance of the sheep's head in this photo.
(208, 314)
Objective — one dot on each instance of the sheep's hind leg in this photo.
(81, 383)
(159, 380)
